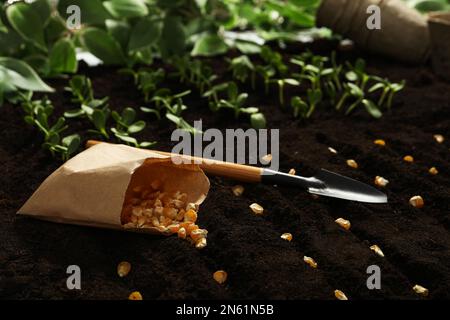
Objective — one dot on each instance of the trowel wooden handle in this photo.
(230, 170)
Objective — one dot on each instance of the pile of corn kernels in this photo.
(170, 213)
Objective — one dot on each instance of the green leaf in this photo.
(26, 21)
(173, 37)
(103, 46)
(72, 143)
(63, 57)
(23, 76)
(120, 31)
(376, 87)
(126, 8)
(99, 121)
(258, 121)
(372, 109)
(92, 11)
(209, 45)
(145, 33)
(247, 47)
(150, 110)
(43, 9)
(128, 115)
(146, 144)
(136, 127)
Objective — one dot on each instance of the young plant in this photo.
(388, 90)
(126, 126)
(266, 72)
(242, 68)
(281, 84)
(352, 90)
(314, 98)
(299, 107)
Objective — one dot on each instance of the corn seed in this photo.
(310, 261)
(380, 142)
(182, 233)
(190, 215)
(420, 290)
(340, 295)
(267, 158)
(377, 250)
(381, 182)
(433, 171)
(417, 201)
(256, 208)
(286, 236)
(408, 158)
(136, 295)
(201, 243)
(238, 190)
(220, 276)
(343, 223)
(352, 163)
(439, 138)
(123, 268)
(292, 172)
(332, 150)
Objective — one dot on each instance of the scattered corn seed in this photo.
(310, 261)
(292, 172)
(201, 243)
(416, 201)
(220, 276)
(340, 295)
(136, 295)
(238, 190)
(343, 223)
(332, 150)
(377, 250)
(267, 158)
(256, 208)
(439, 138)
(420, 290)
(433, 171)
(380, 142)
(352, 163)
(197, 234)
(182, 233)
(190, 215)
(408, 158)
(286, 236)
(123, 268)
(381, 182)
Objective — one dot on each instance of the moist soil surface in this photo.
(34, 254)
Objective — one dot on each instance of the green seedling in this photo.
(388, 90)
(354, 91)
(299, 107)
(274, 59)
(314, 98)
(214, 91)
(127, 126)
(281, 84)
(266, 72)
(242, 68)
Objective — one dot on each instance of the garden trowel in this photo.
(324, 183)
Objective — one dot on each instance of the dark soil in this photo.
(34, 254)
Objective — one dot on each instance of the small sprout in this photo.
(340, 295)
(310, 261)
(380, 142)
(256, 208)
(135, 295)
(238, 190)
(417, 202)
(220, 276)
(408, 158)
(292, 172)
(352, 163)
(123, 268)
(377, 250)
(332, 150)
(380, 181)
(439, 138)
(286, 236)
(433, 171)
(345, 224)
(420, 290)
(267, 158)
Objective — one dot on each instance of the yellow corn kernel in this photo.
(238, 190)
(286, 236)
(198, 233)
(377, 250)
(190, 216)
(266, 159)
(292, 172)
(352, 164)
(123, 268)
(433, 171)
(439, 138)
(201, 243)
(173, 228)
(182, 233)
(343, 223)
(191, 227)
(340, 295)
(380, 142)
(332, 150)
(220, 276)
(420, 290)
(310, 261)
(135, 295)
(417, 202)
(170, 212)
(408, 158)
(256, 208)
(380, 181)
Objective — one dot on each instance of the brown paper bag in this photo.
(90, 188)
